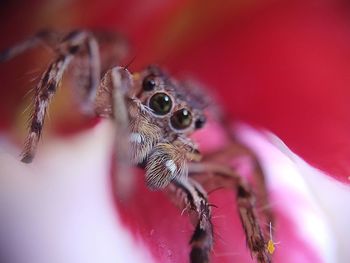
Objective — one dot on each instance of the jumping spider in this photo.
(154, 114)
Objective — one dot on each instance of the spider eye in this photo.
(160, 103)
(199, 123)
(181, 119)
(149, 83)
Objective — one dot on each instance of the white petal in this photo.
(60, 208)
(323, 215)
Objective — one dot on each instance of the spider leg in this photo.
(102, 52)
(168, 161)
(236, 149)
(87, 68)
(93, 74)
(113, 101)
(47, 37)
(215, 175)
(189, 194)
(112, 50)
(50, 80)
(203, 99)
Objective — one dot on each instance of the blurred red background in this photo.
(280, 65)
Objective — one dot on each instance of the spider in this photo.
(154, 116)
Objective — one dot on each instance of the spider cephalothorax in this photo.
(162, 107)
(154, 115)
(161, 116)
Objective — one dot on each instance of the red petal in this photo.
(284, 68)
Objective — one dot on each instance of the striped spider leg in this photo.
(210, 174)
(77, 47)
(235, 150)
(190, 196)
(214, 175)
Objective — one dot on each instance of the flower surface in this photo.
(280, 65)
(62, 209)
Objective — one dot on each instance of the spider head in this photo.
(176, 107)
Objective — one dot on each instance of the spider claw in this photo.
(27, 158)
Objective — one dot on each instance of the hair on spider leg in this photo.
(33, 71)
(126, 67)
(29, 92)
(186, 209)
(217, 237)
(215, 189)
(29, 107)
(212, 205)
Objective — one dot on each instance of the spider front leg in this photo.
(114, 100)
(167, 166)
(79, 43)
(213, 176)
(235, 149)
(46, 37)
(67, 49)
(188, 194)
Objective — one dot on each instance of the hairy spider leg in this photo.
(79, 43)
(49, 83)
(165, 163)
(45, 37)
(236, 149)
(213, 176)
(111, 101)
(190, 195)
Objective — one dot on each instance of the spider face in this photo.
(171, 105)
(163, 112)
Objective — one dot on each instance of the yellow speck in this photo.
(270, 247)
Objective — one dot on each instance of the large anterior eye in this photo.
(181, 119)
(160, 103)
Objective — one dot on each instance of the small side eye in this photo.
(199, 123)
(149, 83)
(160, 103)
(181, 119)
